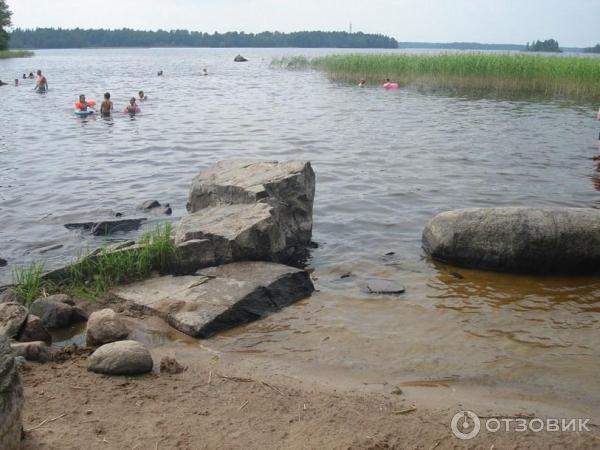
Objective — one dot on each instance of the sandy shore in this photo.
(230, 402)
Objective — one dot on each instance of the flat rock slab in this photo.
(219, 298)
(526, 240)
(384, 287)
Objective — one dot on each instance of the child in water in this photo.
(106, 108)
(132, 108)
(82, 104)
(143, 97)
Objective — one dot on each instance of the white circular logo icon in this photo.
(465, 425)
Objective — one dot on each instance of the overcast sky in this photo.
(571, 22)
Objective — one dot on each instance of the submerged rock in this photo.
(527, 240)
(12, 319)
(150, 204)
(107, 227)
(121, 358)
(385, 287)
(3, 262)
(12, 399)
(105, 326)
(31, 351)
(52, 313)
(219, 298)
(34, 330)
(239, 58)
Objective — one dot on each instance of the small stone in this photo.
(457, 275)
(171, 365)
(88, 412)
(397, 391)
(119, 214)
(167, 211)
(12, 319)
(34, 331)
(31, 351)
(105, 326)
(121, 358)
(346, 275)
(385, 287)
(10, 296)
(3, 262)
(150, 204)
(390, 253)
(53, 314)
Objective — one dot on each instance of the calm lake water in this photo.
(386, 162)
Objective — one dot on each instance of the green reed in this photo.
(501, 74)
(5, 54)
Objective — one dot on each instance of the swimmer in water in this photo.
(16, 82)
(159, 73)
(204, 72)
(143, 97)
(106, 108)
(362, 83)
(31, 77)
(24, 76)
(132, 108)
(41, 84)
(83, 104)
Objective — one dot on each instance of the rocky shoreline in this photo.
(238, 250)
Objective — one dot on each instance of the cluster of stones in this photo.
(246, 220)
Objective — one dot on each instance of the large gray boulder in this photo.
(11, 399)
(515, 239)
(121, 358)
(219, 298)
(12, 319)
(105, 326)
(288, 187)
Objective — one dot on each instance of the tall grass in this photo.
(5, 54)
(28, 281)
(93, 275)
(501, 74)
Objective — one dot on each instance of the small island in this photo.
(549, 45)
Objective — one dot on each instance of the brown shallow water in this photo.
(385, 161)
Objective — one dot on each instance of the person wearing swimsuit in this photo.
(107, 106)
(41, 84)
(132, 108)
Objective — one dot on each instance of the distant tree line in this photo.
(549, 45)
(80, 38)
(594, 49)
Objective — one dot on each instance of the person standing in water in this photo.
(205, 72)
(41, 84)
(106, 108)
(132, 108)
(143, 97)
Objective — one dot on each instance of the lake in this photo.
(386, 162)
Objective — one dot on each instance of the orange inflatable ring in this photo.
(91, 103)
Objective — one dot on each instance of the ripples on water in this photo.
(385, 161)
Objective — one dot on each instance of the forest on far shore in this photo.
(80, 38)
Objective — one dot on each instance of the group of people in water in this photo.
(388, 84)
(107, 106)
(41, 83)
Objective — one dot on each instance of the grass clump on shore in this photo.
(5, 54)
(29, 281)
(93, 275)
(501, 74)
